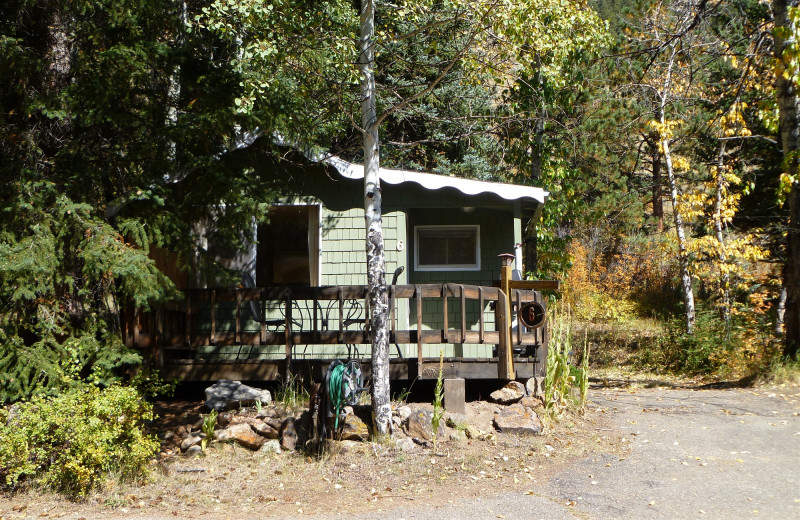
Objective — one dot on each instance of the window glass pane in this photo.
(447, 246)
(432, 246)
(461, 247)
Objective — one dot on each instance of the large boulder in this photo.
(518, 419)
(511, 393)
(226, 395)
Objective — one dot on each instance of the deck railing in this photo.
(298, 316)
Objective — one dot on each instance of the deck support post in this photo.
(505, 353)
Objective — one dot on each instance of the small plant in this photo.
(258, 405)
(561, 377)
(438, 399)
(403, 395)
(291, 394)
(209, 423)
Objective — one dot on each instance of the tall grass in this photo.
(566, 385)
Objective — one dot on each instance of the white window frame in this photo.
(451, 267)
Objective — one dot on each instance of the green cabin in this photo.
(445, 232)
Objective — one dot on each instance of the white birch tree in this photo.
(376, 266)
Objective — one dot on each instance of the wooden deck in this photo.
(269, 333)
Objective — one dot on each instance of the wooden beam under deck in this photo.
(399, 369)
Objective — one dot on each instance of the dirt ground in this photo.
(232, 482)
(642, 450)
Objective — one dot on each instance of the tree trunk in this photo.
(790, 142)
(658, 199)
(725, 278)
(683, 250)
(376, 268)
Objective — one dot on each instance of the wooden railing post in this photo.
(505, 352)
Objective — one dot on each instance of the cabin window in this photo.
(447, 248)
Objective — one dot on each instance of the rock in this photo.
(224, 419)
(397, 423)
(457, 435)
(403, 412)
(455, 420)
(193, 450)
(535, 387)
(270, 446)
(473, 432)
(406, 444)
(227, 394)
(419, 425)
(190, 441)
(264, 429)
(532, 402)
(267, 412)
(511, 393)
(348, 447)
(242, 434)
(354, 429)
(288, 434)
(518, 419)
(273, 422)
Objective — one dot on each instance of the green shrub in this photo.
(71, 442)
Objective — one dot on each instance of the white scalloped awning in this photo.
(433, 181)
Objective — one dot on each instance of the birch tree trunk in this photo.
(376, 268)
(683, 250)
(789, 130)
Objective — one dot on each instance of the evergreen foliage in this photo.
(118, 132)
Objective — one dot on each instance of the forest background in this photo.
(655, 125)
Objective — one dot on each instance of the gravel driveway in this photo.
(721, 454)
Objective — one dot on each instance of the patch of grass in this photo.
(291, 394)
(783, 371)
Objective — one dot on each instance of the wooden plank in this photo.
(188, 324)
(249, 370)
(288, 331)
(213, 316)
(536, 285)
(444, 312)
(463, 314)
(237, 316)
(434, 337)
(519, 323)
(480, 310)
(486, 369)
(419, 324)
(392, 305)
(263, 311)
(341, 312)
